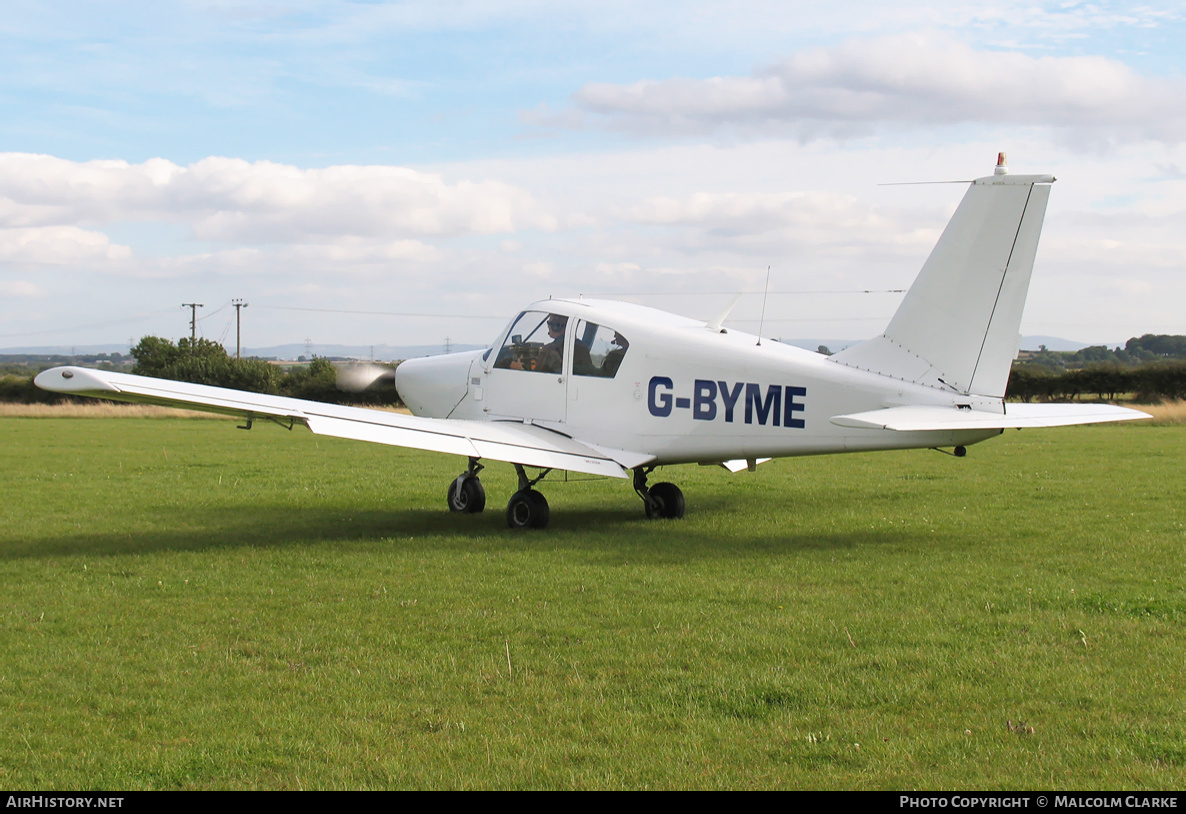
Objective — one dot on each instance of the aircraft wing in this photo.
(1016, 416)
(515, 442)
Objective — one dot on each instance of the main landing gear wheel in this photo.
(527, 509)
(668, 501)
(660, 500)
(466, 494)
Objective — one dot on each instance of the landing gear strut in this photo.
(466, 493)
(527, 508)
(660, 500)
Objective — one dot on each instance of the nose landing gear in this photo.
(466, 493)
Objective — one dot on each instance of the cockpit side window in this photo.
(535, 343)
(598, 350)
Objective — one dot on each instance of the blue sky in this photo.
(465, 158)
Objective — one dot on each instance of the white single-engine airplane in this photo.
(615, 389)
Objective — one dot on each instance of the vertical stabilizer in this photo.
(957, 327)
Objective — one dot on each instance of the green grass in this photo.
(183, 605)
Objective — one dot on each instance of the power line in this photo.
(813, 319)
(500, 317)
(215, 312)
(108, 324)
(729, 293)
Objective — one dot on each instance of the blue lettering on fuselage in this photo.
(775, 404)
(659, 403)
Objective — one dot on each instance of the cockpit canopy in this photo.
(538, 342)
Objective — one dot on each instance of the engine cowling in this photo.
(434, 385)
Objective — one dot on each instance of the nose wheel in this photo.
(466, 493)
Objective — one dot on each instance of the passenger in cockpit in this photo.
(613, 359)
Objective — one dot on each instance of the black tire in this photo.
(669, 501)
(527, 509)
(470, 498)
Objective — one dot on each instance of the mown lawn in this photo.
(184, 605)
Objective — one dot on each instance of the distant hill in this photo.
(64, 350)
(1056, 343)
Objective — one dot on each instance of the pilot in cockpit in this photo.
(550, 358)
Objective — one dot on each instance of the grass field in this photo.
(184, 605)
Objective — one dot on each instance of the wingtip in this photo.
(75, 380)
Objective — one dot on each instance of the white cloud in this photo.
(914, 80)
(816, 215)
(58, 245)
(237, 201)
(20, 288)
(348, 258)
(1121, 244)
(684, 222)
(611, 270)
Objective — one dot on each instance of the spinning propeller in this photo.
(356, 378)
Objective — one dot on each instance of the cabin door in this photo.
(530, 373)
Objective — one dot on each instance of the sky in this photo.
(417, 172)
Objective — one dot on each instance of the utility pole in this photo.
(239, 304)
(193, 323)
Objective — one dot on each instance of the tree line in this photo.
(1139, 350)
(1149, 382)
(1150, 367)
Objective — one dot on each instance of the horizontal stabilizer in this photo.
(500, 441)
(1016, 416)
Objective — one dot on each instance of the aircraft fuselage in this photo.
(683, 392)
